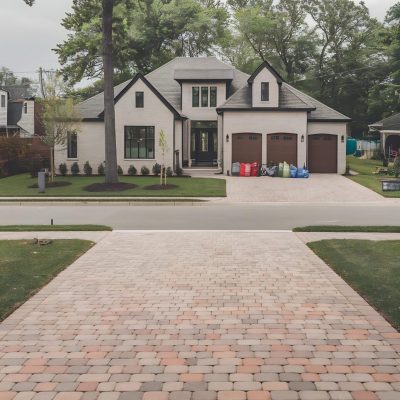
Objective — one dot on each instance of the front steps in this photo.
(201, 171)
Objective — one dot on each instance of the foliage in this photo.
(163, 144)
(132, 171)
(36, 164)
(87, 169)
(119, 170)
(144, 170)
(179, 171)
(75, 170)
(169, 172)
(100, 169)
(8, 78)
(63, 169)
(396, 167)
(156, 169)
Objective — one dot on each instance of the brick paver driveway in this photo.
(198, 316)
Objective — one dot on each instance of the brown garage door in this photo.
(322, 153)
(282, 147)
(246, 147)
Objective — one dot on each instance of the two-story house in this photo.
(213, 115)
(18, 111)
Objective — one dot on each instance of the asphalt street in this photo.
(205, 217)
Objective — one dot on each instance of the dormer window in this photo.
(139, 98)
(264, 91)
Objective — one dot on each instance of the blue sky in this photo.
(29, 34)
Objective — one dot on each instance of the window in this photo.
(195, 96)
(3, 101)
(204, 96)
(264, 91)
(139, 142)
(72, 145)
(213, 96)
(25, 108)
(139, 99)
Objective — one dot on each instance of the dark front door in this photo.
(204, 146)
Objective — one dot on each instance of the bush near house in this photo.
(101, 170)
(132, 171)
(87, 169)
(144, 170)
(63, 169)
(156, 169)
(120, 170)
(75, 169)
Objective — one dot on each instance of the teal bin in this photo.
(351, 146)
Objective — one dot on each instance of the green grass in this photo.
(372, 268)
(365, 169)
(25, 268)
(340, 228)
(47, 228)
(17, 185)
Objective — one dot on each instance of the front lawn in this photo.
(26, 267)
(365, 169)
(354, 228)
(53, 228)
(18, 185)
(372, 268)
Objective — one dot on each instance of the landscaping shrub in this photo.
(144, 170)
(179, 171)
(132, 170)
(63, 169)
(169, 172)
(100, 169)
(156, 169)
(75, 169)
(119, 170)
(396, 167)
(87, 169)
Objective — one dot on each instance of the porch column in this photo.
(220, 141)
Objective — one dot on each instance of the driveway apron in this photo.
(197, 316)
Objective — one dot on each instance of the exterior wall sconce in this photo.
(227, 138)
(342, 138)
(302, 138)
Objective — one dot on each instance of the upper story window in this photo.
(72, 145)
(204, 96)
(25, 108)
(3, 101)
(139, 99)
(264, 91)
(213, 96)
(195, 96)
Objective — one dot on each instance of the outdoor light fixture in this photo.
(227, 138)
(302, 138)
(342, 138)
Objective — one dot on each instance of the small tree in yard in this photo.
(396, 167)
(59, 117)
(162, 142)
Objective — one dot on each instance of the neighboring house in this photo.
(18, 111)
(389, 130)
(213, 115)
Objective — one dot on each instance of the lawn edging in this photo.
(344, 228)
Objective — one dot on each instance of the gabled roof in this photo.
(17, 92)
(391, 123)
(162, 79)
(270, 68)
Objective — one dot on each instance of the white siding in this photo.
(3, 110)
(265, 76)
(27, 121)
(333, 128)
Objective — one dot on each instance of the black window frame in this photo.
(264, 91)
(133, 153)
(204, 96)
(72, 145)
(195, 96)
(139, 99)
(3, 101)
(213, 98)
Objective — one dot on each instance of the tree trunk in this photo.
(111, 173)
(52, 163)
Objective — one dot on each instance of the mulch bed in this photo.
(51, 184)
(160, 187)
(109, 187)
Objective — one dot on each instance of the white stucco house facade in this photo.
(213, 115)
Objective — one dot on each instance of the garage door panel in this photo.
(322, 153)
(282, 147)
(246, 147)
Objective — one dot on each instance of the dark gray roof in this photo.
(17, 92)
(391, 123)
(225, 74)
(163, 79)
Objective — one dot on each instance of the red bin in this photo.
(254, 169)
(245, 169)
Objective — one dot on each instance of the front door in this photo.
(204, 146)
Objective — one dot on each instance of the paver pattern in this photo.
(198, 316)
(319, 188)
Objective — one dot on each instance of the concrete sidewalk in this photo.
(197, 316)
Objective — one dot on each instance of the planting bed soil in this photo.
(109, 187)
(51, 184)
(160, 187)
